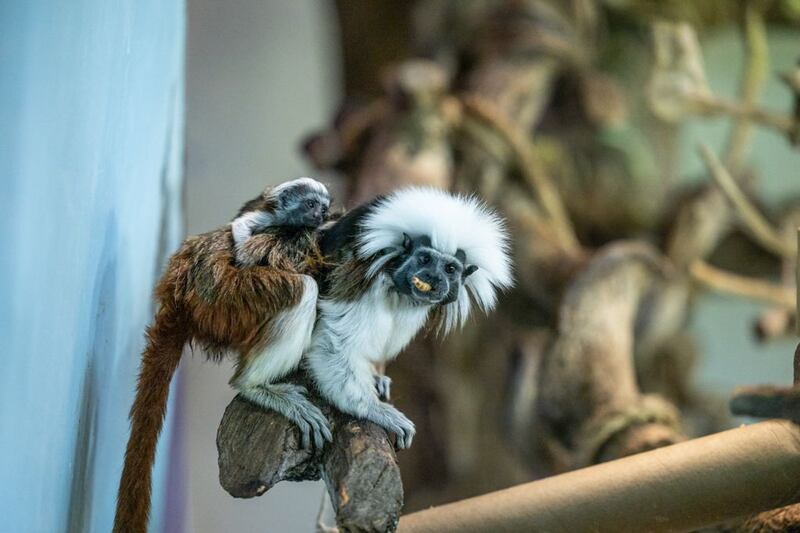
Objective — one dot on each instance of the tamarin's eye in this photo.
(424, 259)
(450, 268)
(311, 204)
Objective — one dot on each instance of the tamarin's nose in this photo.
(431, 280)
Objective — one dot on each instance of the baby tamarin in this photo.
(300, 202)
(246, 288)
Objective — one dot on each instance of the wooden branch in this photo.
(752, 221)
(728, 282)
(363, 477)
(530, 167)
(258, 449)
(715, 106)
(409, 143)
(702, 222)
(327, 149)
(753, 76)
(683, 487)
(589, 406)
(780, 322)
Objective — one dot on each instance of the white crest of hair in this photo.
(452, 222)
(308, 182)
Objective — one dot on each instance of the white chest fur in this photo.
(399, 323)
(351, 336)
(377, 326)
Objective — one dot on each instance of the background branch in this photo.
(752, 221)
(728, 282)
(753, 76)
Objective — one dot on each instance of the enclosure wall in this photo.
(91, 105)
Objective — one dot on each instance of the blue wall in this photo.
(91, 105)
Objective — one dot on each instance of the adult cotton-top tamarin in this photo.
(245, 288)
(418, 256)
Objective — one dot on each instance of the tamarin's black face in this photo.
(302, 205)
(427, 275)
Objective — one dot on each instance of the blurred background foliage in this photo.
(595, 106)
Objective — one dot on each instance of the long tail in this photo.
(165, 340)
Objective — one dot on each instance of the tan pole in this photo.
(682, 487)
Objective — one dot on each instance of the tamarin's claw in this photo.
(421, 285)
(396, 422)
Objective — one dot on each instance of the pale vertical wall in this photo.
(261, 74)
(91, 106)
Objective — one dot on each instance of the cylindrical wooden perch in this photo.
(677, 488)
(259, 448)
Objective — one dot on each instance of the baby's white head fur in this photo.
(311, 183)
(452, 222)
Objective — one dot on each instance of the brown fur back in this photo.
(230, 306)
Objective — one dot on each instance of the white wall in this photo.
(260, 75)
(91, 106)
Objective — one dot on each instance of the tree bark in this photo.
(258, 449)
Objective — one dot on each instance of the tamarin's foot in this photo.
(312, 423)
(292, 402)
(383, 386)
(392, 420)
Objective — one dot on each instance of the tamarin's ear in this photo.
(461, 255)
(408, 244)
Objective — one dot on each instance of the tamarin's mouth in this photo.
(421, 285)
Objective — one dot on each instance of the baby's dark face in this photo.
(302, 206)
